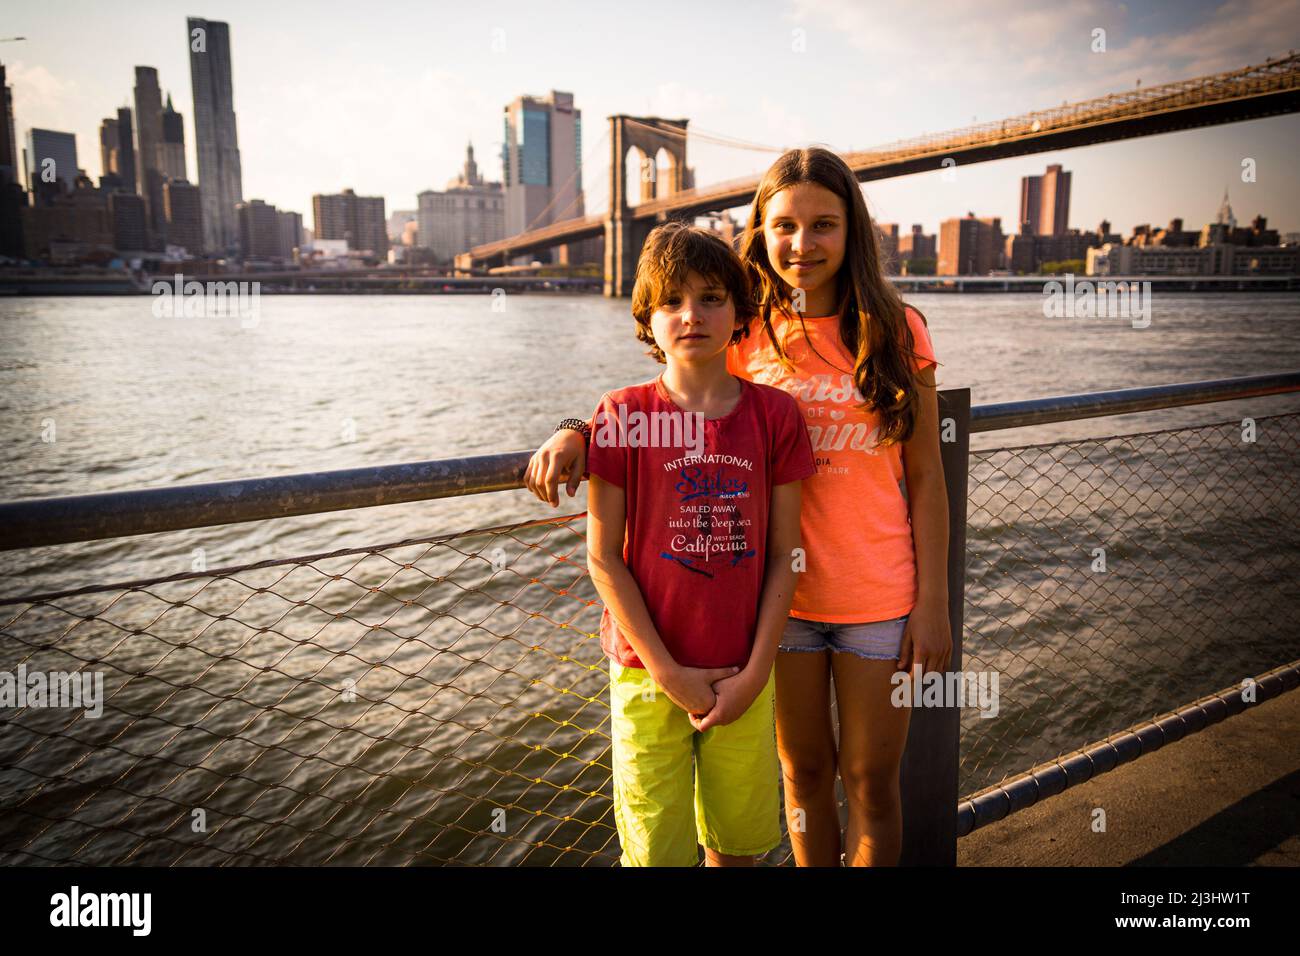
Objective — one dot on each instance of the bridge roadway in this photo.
(1267, 89)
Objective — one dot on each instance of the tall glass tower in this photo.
(215, 139)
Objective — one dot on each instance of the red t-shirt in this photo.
(697, 512)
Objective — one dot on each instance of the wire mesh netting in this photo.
(1110, 580)
(444, 701)
(437, 701)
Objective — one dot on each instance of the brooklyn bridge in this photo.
(654, 149)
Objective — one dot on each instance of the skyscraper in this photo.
(12, 196)
(126, 215)
(216, 142)
(969, 246)
(184, 216)
(126, 150)
(1045, 203)
(1031, 204)
(171, 149)
(259, 230)
(51, 162)
(358, 219)
(8, 142)
(117, 151)
(541, 157)
(290, 233)
(109, 137)
(148, 136)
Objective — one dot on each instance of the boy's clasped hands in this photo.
(710, 695)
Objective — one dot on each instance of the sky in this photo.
(383, 97)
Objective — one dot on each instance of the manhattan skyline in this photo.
(326, 101)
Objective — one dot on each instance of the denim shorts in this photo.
(874, 640)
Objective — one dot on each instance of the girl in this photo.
(872, 595)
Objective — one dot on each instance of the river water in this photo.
(325, 382)
(100, 395)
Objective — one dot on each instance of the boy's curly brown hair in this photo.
(674, 249)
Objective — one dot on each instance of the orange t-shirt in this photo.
(857, 533)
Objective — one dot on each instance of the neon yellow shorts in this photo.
(663, 810)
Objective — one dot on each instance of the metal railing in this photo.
(443, 700)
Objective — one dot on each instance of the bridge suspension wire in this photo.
(1261, 89)
(556, 193)
(722, 139)
(596, 186)
(1276, 73)
(700, 135)
(707, 136)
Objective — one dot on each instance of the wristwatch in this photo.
(578, 425)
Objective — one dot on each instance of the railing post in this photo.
(928, 776)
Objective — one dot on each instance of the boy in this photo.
(693, 521)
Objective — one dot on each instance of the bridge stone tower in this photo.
(625, 235)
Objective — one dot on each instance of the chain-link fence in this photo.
(1110, 580)
(443, 701)
(437, 701)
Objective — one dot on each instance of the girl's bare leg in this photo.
(805, 741)
(873, 734)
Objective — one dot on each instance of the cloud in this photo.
(675, 100)
(995, 58)
(42, 99)
(309, 124)
(956, 33)
(785, 127)
(1235, 35)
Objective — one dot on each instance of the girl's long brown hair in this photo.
(873, 322)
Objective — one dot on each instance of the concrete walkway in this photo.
(1228, 796)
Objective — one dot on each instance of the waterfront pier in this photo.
(441, 700)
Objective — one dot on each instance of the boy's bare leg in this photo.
(714, 858)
